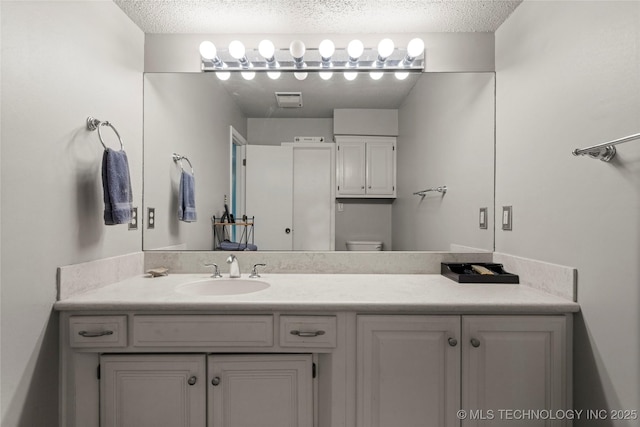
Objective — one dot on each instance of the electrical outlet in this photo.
(151, 218)
(133, 224)
(507, 218)
(482, 219)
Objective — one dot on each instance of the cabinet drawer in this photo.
(98, 331)
(203, 331)
(308, 331)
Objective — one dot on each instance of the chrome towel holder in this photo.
(605, 151)
(442, 189)
(93, 124)
(179, 158)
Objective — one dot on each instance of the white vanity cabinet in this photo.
(153, 390)
(408, 371)
(412, 370)
(201, 370)
(514, 363)
(366, 166)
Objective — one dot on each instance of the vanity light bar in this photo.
(300, 59)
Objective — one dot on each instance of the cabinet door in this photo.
(513, 363)
(381, 169)
(351, 168)
(152, 391)
(408, 370)
(260, 390)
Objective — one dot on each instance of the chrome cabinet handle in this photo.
(475, 342)
(307, 334)
(452, 342)
(192, 380)
(94, 334)
(215, 381)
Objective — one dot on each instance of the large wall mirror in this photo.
(445, 137)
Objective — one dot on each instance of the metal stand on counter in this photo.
(222, 235)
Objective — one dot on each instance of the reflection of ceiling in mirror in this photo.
(256, 98)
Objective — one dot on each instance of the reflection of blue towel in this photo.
(232, 246)
(116, 185)
(187, 198)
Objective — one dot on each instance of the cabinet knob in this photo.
(362, 188)
(287, 230)
(215, 381)
(475, 342)
(452, 342)
(193, 380)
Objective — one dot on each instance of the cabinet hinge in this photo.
(338, 188)
(314, 370)
(244, 162)
(394, 148)
(98, 372)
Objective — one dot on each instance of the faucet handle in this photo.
(254, 270)
(216, 270)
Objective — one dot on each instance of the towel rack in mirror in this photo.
(93, 124)
(179, 158)
(442, 189)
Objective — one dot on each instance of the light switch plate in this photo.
(482, 219)
(507, 218)
(151, 218)
(133, 224)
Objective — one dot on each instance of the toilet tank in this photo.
(363, 245)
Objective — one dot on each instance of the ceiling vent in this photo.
(289, 99)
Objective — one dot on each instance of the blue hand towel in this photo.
(116, 185)
(187, 198)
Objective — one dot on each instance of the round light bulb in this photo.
(350, 75)
(248, 75)
(208, 50)
(376, 75)
(266, 49)
(274, 75)
(223, 75)
(385, 48)
(415, 48)
(325, 75)
(326, 48)
(236, 49)
(297, 49)
(300, 76)
(401, 75)
(355, 48)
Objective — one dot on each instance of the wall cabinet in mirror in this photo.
(366, 166)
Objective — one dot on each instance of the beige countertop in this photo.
(397, 293)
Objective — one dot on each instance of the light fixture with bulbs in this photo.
(325, 60)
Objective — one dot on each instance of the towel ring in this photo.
(93, 124)
(178, 158)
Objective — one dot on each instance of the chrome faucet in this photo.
(216, 272)
(254, 271)
(234, 268)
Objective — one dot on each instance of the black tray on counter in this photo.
(463, 273)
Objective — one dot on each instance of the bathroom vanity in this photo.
(313, 350)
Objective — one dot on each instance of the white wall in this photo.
(274, 131)
(61, 61)
(186, 115)
(446, 137)
(568, 76)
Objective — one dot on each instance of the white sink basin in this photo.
(222, 287)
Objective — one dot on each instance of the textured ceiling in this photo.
(316, 16)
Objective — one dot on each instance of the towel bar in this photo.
(93, 124)
(178, 158)
(422, 193)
